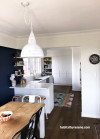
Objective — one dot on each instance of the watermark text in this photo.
(74, 127)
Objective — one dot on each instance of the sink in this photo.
(37, 79)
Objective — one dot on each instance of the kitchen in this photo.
(70, 32)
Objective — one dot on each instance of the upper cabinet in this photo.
(62, 69)
(48, 65)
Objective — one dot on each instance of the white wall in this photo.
(7, 41)
(21, 42)
(76, 59)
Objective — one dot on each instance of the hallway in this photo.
(62, 116)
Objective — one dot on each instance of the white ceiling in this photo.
(50, 16)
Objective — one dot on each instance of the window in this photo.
(32, 66)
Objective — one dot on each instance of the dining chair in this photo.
(16, 98)
(31, 98)
(43, 99)
(28, 132)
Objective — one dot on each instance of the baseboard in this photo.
(74, 89)
(90, 115)
(63, 84)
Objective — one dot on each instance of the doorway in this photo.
(65, 66)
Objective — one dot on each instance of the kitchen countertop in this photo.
(35, 84)
(43, 77)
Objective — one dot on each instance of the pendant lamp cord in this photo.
(31, 24)
(28, 22)
(27, 16)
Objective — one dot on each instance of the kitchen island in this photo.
(38, 87)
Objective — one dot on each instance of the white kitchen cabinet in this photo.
(42, 89)
(62, 69)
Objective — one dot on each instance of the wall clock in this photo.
(94, 59)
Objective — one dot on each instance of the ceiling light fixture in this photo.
(31, 49)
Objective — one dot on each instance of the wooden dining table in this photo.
(22, 112)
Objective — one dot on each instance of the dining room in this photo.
(20, 124)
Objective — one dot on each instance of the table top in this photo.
(22, 112)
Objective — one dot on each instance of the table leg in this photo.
(42, 124)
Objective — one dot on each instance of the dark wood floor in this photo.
(62, 116)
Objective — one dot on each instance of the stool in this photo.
(43, 98)
(16, 98)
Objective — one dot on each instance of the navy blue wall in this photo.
(6, 69)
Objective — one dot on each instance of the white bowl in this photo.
(5, 118)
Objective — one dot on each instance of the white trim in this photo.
(76, 89)
(60, 33)
(90, 115)
(63, 84)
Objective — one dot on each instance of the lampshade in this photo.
(32, 49)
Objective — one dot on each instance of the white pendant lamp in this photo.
(31, 50)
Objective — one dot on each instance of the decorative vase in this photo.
(13, 83)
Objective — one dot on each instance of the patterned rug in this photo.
(62, 99)
(97, 128)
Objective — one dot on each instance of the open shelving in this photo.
(48, 65)
(18, 64)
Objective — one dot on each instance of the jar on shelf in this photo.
(16, 55)
(19, 72)
(16, 73)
